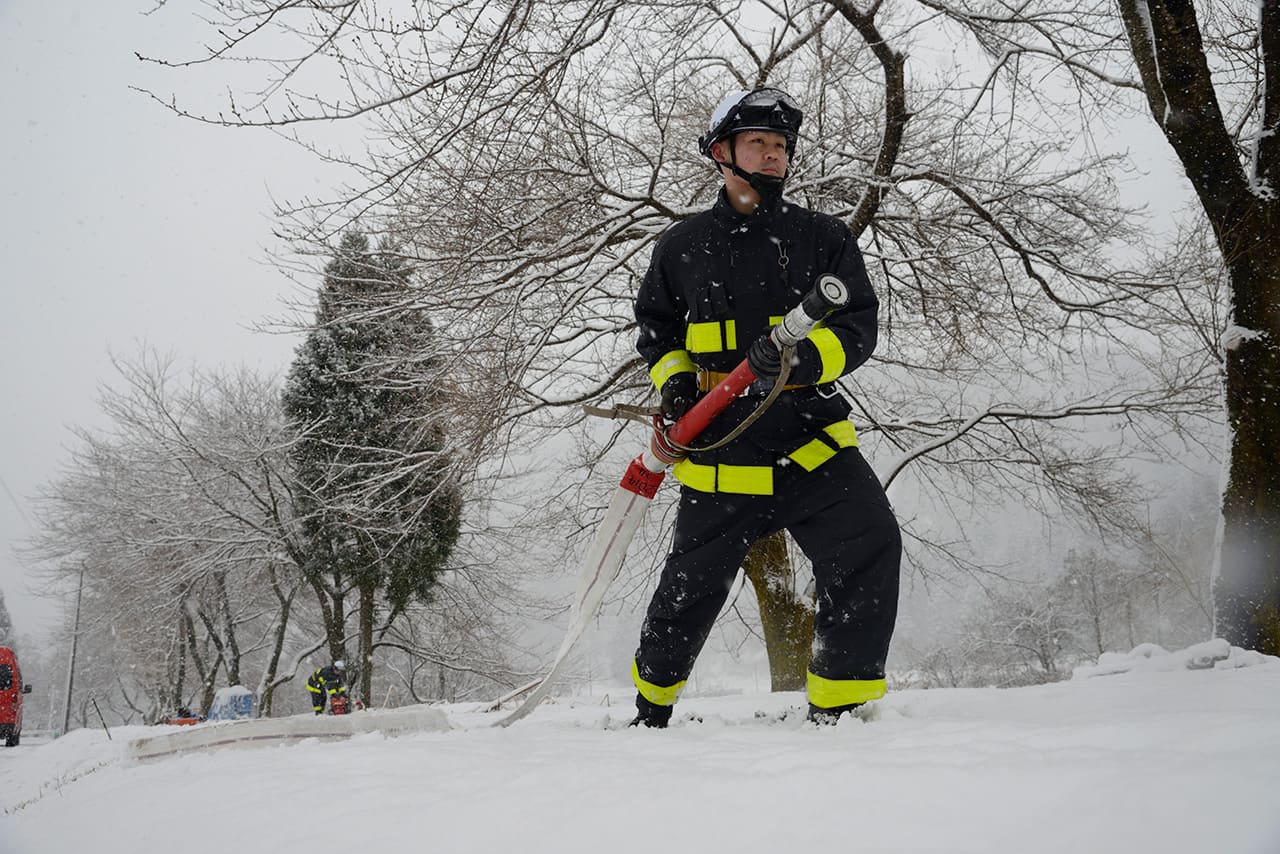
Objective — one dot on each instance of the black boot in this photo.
(828, 717)
(651, 714)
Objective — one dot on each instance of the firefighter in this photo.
(716, 284)
(329, 680)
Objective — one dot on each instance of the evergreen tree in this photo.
(378, 506)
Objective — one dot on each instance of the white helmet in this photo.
(756, 109)
(340, 664)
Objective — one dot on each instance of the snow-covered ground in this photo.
(1139, 754)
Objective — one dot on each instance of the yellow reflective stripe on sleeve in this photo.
(656, 694)
(844, 434)
(745, 480)
(703, 337)
(830, 351)
(742, 480)
(694, 476)
(832, 693)
(731, 335)
(313, 689)
(812, 454)
(675, 362)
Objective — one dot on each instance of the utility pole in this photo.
(71, 665)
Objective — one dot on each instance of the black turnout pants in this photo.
(838, 514)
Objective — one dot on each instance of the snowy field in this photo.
(1139, 754)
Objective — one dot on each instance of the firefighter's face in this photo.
(756, 151)
(759, 151)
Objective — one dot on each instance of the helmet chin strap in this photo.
(768, 187)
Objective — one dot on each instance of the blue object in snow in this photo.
(230, 704)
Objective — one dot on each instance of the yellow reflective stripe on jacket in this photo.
(758, 480)
(313, 689)
(656, 694)
(675, 362)
(831, 352)
(694, 476)
(742, 480)
(745, 480)
(712, 336)
(832, 693)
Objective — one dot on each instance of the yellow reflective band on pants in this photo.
(812, 454)
(816, 451)
(833, 693)
(741, 480)
(844, 434)
(675, 362)
(712, 336)
(656, 694)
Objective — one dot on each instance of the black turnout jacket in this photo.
(719, 280)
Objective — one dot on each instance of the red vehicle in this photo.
(11, 691)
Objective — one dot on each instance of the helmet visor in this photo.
(769, 98)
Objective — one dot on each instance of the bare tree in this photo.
(1232, 158)
(530, 156)
(1026, 637)
(1209, 74)
(179, 514)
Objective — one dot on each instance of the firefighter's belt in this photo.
(708, 380)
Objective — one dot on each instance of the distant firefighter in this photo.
(330, 680)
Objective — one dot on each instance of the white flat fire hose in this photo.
(645, 474)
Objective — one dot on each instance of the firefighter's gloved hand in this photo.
(679, 393)
(764, 358)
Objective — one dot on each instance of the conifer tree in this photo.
(378, 506)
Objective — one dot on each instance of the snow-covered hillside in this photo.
(1139, 754)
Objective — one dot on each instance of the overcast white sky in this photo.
(119, 224)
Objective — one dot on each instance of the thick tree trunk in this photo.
(1247, 588)
(367, 598)
(231, 652)
(786, 619)
(181, 676)
(1244, 210)
(277, 647)
(333, 612)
